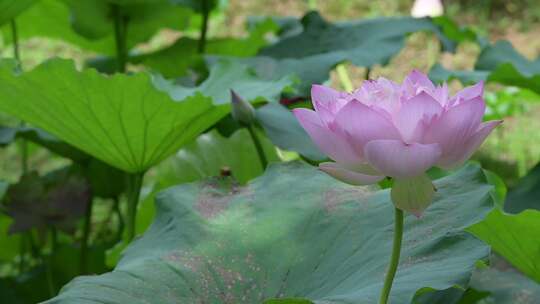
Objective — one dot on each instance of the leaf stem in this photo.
(205, 11)
(34, 250)
(54, 239)
(344, 77)
(134, 188)
(49, 264)
(22, 253)
(120, 228)
(258, 146)
(83, 266)
(16, 53)
(394, 260)
(24, 154)
(120, 37)
(15, 38)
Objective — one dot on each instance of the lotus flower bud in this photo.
(242, 111)
(396, 130)
(427, 8)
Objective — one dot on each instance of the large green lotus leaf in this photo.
(121, 119)
(515, 237)
(211, 154)
(89, 24)
(489, 286)
(503, 52)
(438, 73)
(287, 25)
(9, 9)
(526, 194)
(503, 287)
(313, 52)
(353, 41)
(226, 76)
(499, 63)
(505, 73)
(93, 19)
(508, 74)
(292, 233)
(447, 296)
(308, 70)
(288, 301)
(454, 32)
(285, 132)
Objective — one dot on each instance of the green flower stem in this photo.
(205, 11)
(367, 74)
(258, 146)
(394, 260)
(120, 37)
(134, 190)
(344, 78)
(83, 266)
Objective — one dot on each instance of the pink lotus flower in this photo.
(386, 129)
